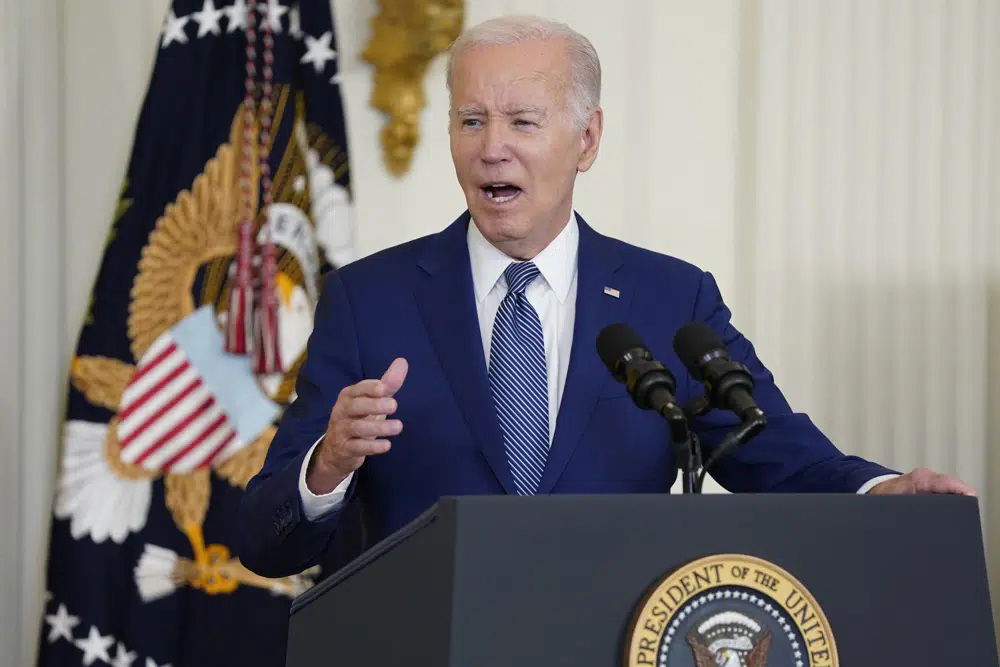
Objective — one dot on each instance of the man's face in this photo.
(515, 145)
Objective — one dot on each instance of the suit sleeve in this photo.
(791, 454)
(276, 537)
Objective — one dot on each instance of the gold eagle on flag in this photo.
(187, 409)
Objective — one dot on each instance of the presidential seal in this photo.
(730, 610)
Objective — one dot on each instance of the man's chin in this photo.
(498, 226)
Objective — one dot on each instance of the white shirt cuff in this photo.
(316, 507)
(872, 483)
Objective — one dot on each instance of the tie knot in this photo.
(519, 275)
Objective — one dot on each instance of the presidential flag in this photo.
(235, 199)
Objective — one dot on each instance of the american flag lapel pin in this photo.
(611, 291)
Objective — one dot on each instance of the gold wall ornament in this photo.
(406, 36)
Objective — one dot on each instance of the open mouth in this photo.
(501, 193)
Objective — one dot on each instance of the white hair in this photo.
(585, 66)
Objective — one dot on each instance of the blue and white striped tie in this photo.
(518, 380)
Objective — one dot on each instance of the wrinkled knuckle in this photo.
(344, 404)
(343, 433)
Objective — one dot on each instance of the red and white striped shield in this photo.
(189, 403)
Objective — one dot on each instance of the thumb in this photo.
(394, 376)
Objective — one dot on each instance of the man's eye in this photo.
(521, 122)
(471, 122)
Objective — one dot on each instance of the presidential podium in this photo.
(665, 581)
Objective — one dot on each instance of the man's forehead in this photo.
(509, 99)
(504, 90)
(545, 60)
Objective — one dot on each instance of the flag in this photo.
(236, 192)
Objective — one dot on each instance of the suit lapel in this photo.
(598, 265)
(447, 305)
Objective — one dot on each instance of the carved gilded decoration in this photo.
(406, 36)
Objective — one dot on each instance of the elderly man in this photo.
(464, 362)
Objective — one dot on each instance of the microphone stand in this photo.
(687, 448)
(753, 423)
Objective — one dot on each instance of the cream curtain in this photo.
(867, 220)
(32, 256)
(868, 224)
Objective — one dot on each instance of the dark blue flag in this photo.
(164, 427)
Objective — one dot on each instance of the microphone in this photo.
(649, 382)
(729, 383)
(652, 387)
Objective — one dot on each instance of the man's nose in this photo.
(495, 144)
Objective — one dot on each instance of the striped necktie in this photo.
(518, 380)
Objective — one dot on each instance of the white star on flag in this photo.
(335, 79)
(173, 30)
(318, 51)
(237, 15)
(123, 657)
(275, 10)
(62, 624)
(152, 663)
(94, 646)
(208, 19)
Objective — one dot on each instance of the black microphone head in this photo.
(614, 344)
(695, 343)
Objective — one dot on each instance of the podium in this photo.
(498, 581)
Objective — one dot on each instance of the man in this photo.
(464, 362)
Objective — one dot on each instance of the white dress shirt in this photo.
(552, 295)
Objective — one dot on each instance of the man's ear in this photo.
(590, 139)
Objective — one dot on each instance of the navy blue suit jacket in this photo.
(416, 301)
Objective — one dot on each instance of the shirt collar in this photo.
(556, 262)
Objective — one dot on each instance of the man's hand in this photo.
(922, 480)
(357, 428)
